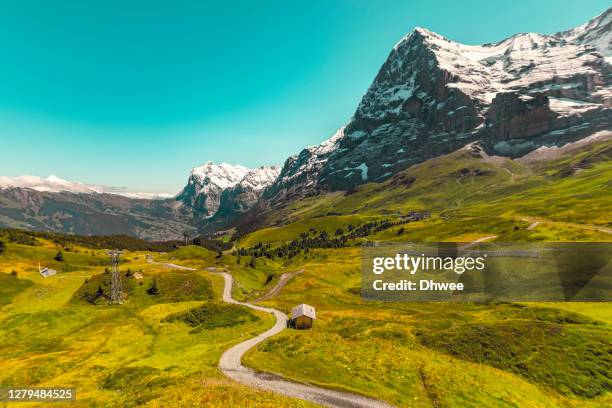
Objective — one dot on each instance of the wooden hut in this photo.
(302, 316)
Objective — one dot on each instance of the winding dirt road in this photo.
(231, 360)
(285, 277)
(231, 365)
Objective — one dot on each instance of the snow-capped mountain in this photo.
(54, 184)
(259, 178)
(203, 194)
(301, 171)
(596, 33)
(205, 185)
(245, 194)
(433, 96)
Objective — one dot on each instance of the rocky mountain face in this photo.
(202, 195)
(92, 214)
(300, 174)
(240, 198)
(433, 96)
(217, 192)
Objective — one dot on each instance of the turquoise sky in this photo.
(135, 93)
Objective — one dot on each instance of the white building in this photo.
(46, 272)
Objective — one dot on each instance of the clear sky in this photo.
(135, 93)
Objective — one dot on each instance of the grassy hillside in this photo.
(470, 194)
(437, 354)
(161, 347)
(414, 354)
(142, 352)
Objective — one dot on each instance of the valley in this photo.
(152, 351)
(506, 142)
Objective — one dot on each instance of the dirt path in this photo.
(231, 365)
(285, 277)
(537, 221)
(175, 266)
(483, 239)
(533, 225)
(476, 241)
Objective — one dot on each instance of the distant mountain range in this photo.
(54, 184)
(432, 96)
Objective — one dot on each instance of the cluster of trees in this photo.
(122, 242)
(312, 239)
(92, 298)
(106, 241)
(213, 245)
(153, 290)
(19, 237)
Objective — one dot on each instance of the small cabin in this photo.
(46, 272)
(302, 317)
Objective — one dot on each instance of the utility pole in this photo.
(116, 296)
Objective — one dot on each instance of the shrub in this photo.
(153, 290)
(212, 315)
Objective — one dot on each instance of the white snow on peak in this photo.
(314, 157)
(222, 175)
(208, 182)
(261, 177)
(523, 60)
(54, 184)
(596, 33)
(329, 145)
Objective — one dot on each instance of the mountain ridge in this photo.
(431, 96)
(207, 184)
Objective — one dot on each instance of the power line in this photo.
(116, 296)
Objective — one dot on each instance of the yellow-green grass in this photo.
(468, 195)
(293, 230)
(123, 355)
(452, 355)
(410, 354)
(382, 349)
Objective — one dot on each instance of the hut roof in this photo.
(303, 310)
(47, 272)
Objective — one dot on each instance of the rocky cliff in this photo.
(433, 96)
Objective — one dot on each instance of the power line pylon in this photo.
(116, 295)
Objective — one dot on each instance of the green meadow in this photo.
(162, 345)
(143, 352)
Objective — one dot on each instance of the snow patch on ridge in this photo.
(54, 184)
(222, 175)
(260, 178)
(313, 158)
